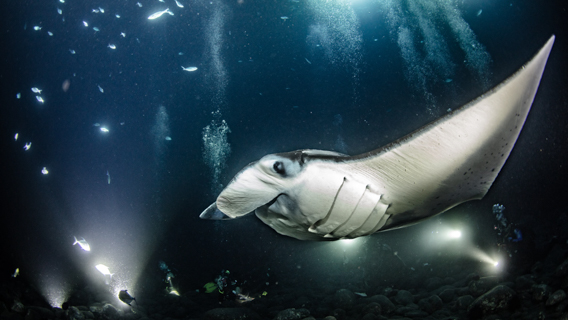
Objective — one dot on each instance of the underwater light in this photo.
(454, 234)
(347, 241)
(496, 263)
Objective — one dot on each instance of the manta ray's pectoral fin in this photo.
(212, 213)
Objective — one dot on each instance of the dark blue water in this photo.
(283, 76)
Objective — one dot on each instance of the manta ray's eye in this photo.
(279, 167)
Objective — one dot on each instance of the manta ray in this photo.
(325, 195)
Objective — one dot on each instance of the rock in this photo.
(403, 310)
(556, 297)
(404, 297)
(387, 292)
(472, 277)
(463, 291)
(524, 282)
(561, 307)
(433, 283)
(18, 307)
(110, 312)
(73, 313)
(11, 316)
(443, 314)
(292, 314)
(374, 308)
(540, 292)
(481, 286)
(131, 316)
(329, 318)
(344, 299)
(431, 304)
(562, 269)
(230, 314)
(447, 295)
(59, 313)
(386, 305)
(416, 314)
(497, 299)
(88, 314)
(338, 313)
(41, 313)
(465, 301)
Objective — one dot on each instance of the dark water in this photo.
(282, 75)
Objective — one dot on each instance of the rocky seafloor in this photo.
(538, 293)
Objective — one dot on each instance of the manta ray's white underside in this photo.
(318, 195)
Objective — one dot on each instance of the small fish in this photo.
(108, 177)
(139, 4)
(82, 243)
(18, 95)
(190, 69)
(62, 1)
(448, 80)
(72, 51)
(59, 11)
(112, 46)
(479, 12)
(123, 34)
(362, 294)
(16, 273)
(308, 61)
(50, 33)
(168, 138)
(27, 146)
(96, 10)
(180, 53)
(96, 29)
(284, 18)
(158, 14)
(117, 16)
(44, 170)
(102, 10)
(125, 297)
(103, 269)
(96, 124)
(36, 90)
(40, 99)
(16, 137)
(243, 298)
(37, 28)
(179, 4)
(85, 23)
(103, 129)
(101, 89)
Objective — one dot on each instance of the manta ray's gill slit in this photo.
(352, 216)
(313, 227)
